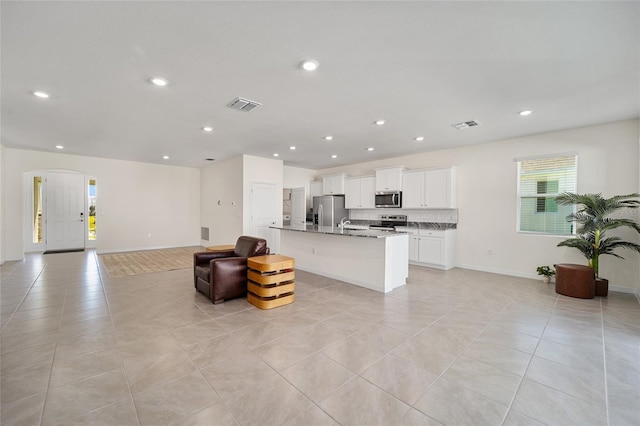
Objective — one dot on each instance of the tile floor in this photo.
(453, 348)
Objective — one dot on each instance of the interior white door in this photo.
(64, 211)
(298, 206)
(264, 211)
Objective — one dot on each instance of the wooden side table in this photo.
(225, 247)
(270, 280)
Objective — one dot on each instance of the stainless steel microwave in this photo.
(389, 199)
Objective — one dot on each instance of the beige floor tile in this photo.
(382, 337)
(361, 403)
(317, 376)
(81, 328)
(355, 354)
(572, 380)
(82, 367)
(313, 416)
(196, 333)
(416, 418)
(272, 401)
(35, 356)
(217, 413)
(550, 406)
(216, 350)
(494, 383)
(121, 413)
(449, 403)
(516, 419)
(499, 336)
(67, 402)
(150, 372)
(502, 357)
(434, 349)
(27, 340)
(585, 357)
(405, 381)
(24, 383)
(260, 334)
(24, 412)
(173, 401)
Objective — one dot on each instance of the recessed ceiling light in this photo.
(379, 122)
(276, 155)
(334, 156)
(207, 129)
(370, 148)
(328, 138)
(41, 94)
(59, 147)
(165, 157)
(525, 112)
(292, 148)
(310, 65)
(419, 138)
(159, 81)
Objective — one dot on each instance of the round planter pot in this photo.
(602, 287)
(546, 280)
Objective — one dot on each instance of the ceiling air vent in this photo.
(466, 124)
(242, 104)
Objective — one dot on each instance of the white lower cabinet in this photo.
(433, 248)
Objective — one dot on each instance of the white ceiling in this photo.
(421, 66)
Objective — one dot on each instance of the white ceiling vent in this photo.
(466, 124)
(243, 104)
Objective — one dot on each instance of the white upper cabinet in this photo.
(389, 179)
(315, 189)
(360, 193)
(429, 189)
(333, 185)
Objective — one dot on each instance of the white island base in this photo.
(380, 264)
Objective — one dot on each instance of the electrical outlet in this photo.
(313, 250)
(489, 252)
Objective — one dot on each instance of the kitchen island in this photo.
(378, 260)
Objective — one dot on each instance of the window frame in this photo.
(520, 196)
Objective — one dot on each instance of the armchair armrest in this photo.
(229, 269)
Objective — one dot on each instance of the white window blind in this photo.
(540, 181)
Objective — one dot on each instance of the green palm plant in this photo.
(593, 217)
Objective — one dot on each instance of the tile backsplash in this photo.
(426, 215)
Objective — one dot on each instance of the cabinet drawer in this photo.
(432, 233)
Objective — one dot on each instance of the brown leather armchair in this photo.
(223, 275)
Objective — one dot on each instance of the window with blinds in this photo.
(540, 181)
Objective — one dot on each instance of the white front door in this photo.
(65, 211)
(264, 211)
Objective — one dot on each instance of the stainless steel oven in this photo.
(389, 199)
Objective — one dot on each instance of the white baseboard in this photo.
(615, 288)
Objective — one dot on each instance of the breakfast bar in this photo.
(377, 260)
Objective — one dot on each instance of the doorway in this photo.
(59, 208)
(264, 212)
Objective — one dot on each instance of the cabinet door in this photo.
(352, 193)
(431, 250)
(315, 189)
(333, 185)
(413, 247)
(413, 190)
(389, 180)
(368, 193)
(438, 189)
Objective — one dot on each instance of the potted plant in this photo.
(546, 273)
(593, 217)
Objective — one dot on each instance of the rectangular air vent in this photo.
(242, 104)
(465, 124)
(204, 233)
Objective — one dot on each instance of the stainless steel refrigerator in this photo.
(328, 210)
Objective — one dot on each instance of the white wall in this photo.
(296, 177)
(222, 182)
(139, 205)
(2, 180)
(607, 163)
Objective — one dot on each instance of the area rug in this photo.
(148, 261)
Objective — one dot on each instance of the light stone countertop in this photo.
(316, 229)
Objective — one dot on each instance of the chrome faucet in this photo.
(343, 222)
